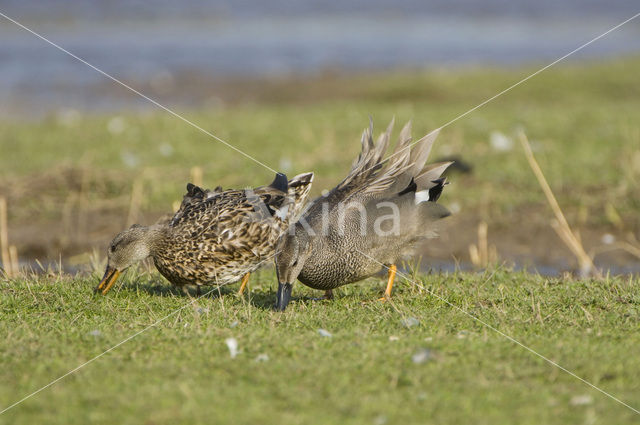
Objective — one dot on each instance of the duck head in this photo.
(293, 251)
(127, 248)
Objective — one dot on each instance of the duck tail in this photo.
(402, 152)
(420, 152)
(382, 143)
(299, 188)
(400, 158)
(369, 161)
(398, 168)
(430, 174)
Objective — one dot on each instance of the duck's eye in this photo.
(295, 263)
(112, 248)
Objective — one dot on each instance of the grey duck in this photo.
(349, 233)
(216, 237)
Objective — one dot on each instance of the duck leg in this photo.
(243, 284)
(392, 275)
(328, 295)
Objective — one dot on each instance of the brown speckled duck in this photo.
(216, 237)
(375, 217)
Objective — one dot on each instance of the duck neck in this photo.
(154, 237)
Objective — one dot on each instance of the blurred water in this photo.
(142, 41)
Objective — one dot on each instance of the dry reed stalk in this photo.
(135, 202)
(196, 175)
(560, 224)
(483, 245)
(474, 255)
(13, 257)
(4, 239)
(482, 254)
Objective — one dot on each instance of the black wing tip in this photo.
(411, 187)
(436, 191)
(280, 182)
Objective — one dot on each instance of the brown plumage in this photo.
(216, 237)
(372, 219)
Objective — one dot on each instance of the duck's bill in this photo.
(109, 278)
(284, 296)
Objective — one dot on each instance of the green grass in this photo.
(582, 119)
(180, 370)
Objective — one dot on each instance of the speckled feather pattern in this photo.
(218, 236)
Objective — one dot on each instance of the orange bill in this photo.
(109, 278)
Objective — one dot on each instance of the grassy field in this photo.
(372, 369)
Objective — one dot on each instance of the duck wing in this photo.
(371, 176)
(204, 209)
(409, 215)
(366, 169)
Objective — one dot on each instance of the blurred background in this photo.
(293, 83)
(178, 48)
